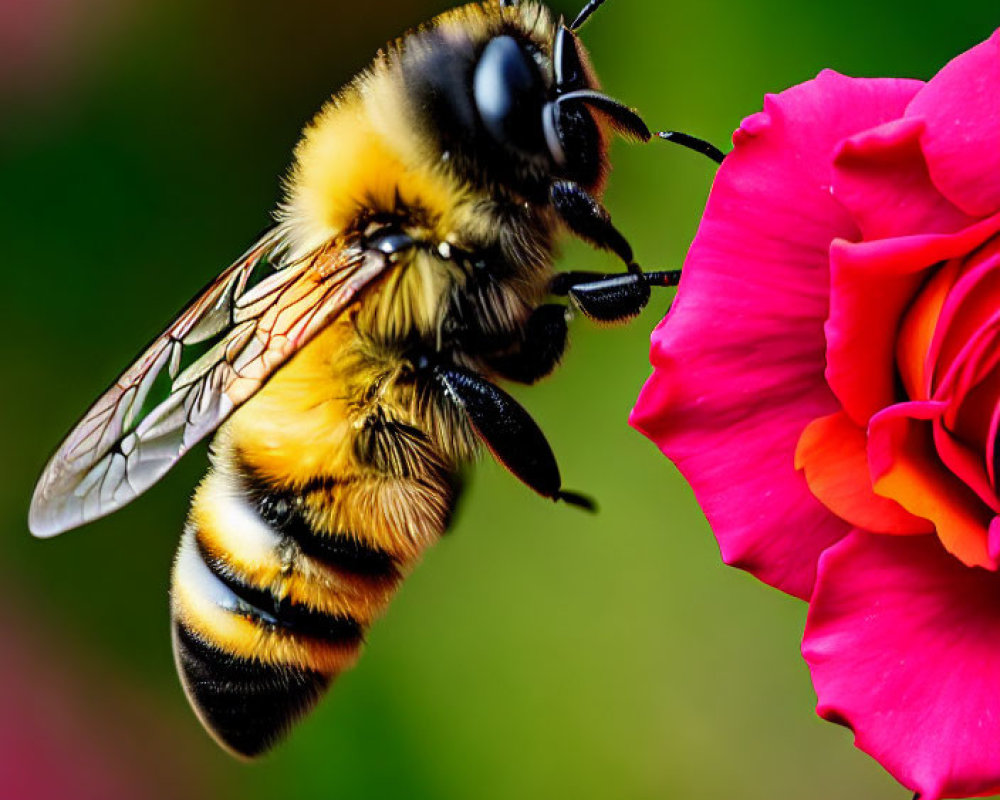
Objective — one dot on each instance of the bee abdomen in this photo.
(282, 613)
(278, 579)
(342, 553)
(246, 705)
(258, 635)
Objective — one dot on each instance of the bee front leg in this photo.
(611, 298)
(588, 219)
(508, 431)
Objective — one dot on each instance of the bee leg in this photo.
(508, 431)
(588, 219)
(707, 149)
(540, 349)
(611, 298)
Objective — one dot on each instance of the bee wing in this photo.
(214, 356)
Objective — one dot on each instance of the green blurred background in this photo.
(537, 652)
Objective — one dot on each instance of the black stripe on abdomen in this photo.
(282, 511)
(341, 552)
(246, 704)
(262, 605)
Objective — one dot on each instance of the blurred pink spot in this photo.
(70, 730)
(43, 43)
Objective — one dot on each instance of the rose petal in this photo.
(901, 644)
(832, 455)
(866, 307)
(970, 306)
(916, 332)
(763, 515)
(993, 452)
(880, 176)
(925, 250)
(994, 538)
(872, 283)
(970, 366)
(905, 466)
(961, 140)
(738, 361)
(974, 417)
(968, 387)
(967, 465)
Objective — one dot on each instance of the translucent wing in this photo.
(214, 356)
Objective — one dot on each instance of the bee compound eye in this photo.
(509, 92)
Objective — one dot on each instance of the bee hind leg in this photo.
(611, 298)
(509, 432)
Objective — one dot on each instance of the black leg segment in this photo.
(540, 349)
(707, 149)
(611, 298)
(588, 219)
(508, 431)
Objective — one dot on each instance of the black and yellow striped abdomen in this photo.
(323, 495)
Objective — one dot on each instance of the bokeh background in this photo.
(537, 652)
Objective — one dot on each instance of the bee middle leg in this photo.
(611, 298)
(539, 349)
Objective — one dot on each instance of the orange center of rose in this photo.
(926, 464)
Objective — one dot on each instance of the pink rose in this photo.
(828, 381)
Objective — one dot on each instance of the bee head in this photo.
(508, 98)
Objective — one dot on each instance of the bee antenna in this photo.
(624, 119)
(584, 15)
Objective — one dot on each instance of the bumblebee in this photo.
(347, 363)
